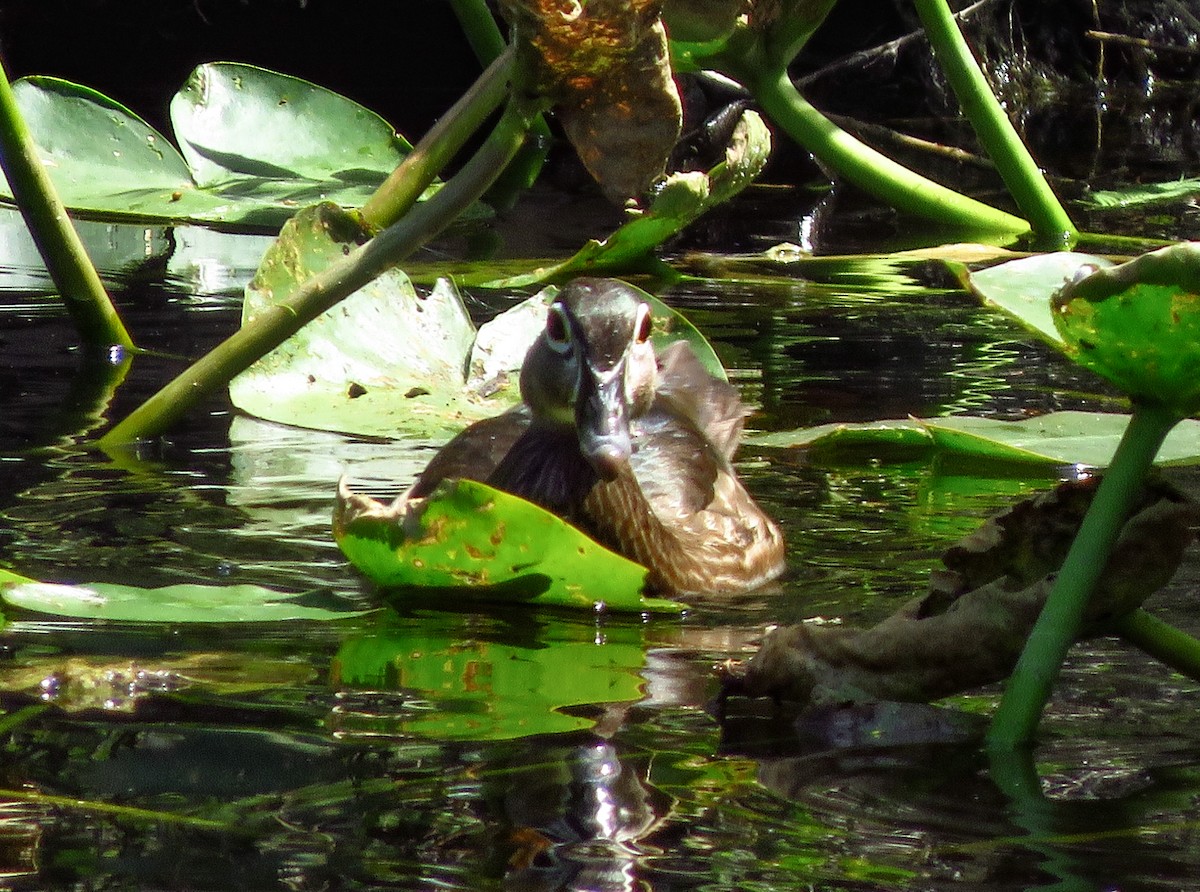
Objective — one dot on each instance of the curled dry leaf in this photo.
(971, 627)
(606, 68)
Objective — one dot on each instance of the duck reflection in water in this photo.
(633, 448)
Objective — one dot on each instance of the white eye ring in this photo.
(558, 329)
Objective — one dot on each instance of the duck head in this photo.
(593, 369)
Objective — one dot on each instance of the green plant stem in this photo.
(860, 164)
(480, 29)
(1000, 140)
(401, 190)
(1161, 640)
(59, 244)
(482, 32)
(317, 294)
(1058, 625)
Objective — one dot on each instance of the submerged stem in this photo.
(1004, 146)
(59, 244)
(325, 289)
(1057, 627)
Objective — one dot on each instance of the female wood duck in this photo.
(632, 449)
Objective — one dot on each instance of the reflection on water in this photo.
(431, 746)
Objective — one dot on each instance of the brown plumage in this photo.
(633, 449)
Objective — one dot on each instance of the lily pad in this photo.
(471, 541)
(1062, 438)
(383, 362)
(387, 361)
(256, 146)
(1024, 288)
(177, 603)
(1138, 325)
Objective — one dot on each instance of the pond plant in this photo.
(1134, 323)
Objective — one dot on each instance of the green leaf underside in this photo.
(186, 603)
(283, 144)
(488, 690)
(1062, 438)
(472, 541)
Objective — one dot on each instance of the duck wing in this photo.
(713, 406)
(474, 453)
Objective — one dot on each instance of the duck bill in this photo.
(602, 420)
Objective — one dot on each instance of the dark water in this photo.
(433, 747)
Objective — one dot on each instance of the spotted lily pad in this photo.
(470, 541)
(1138, 325)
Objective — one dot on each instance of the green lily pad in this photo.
(383, 362)
(176, 603)
(387, 362)
(487, 689)
(1024, 288)
(469, 541)
(234, 120)
(1143, 194)
(1061, 438)
(1138, 325)
(256, 146)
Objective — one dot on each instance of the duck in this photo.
(633, 447)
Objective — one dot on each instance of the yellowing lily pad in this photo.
(1138, 325)
(471, 541)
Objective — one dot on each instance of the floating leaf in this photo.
(177, 603)
(386, 361)
(1064, 438)
(1138, 325)
(470, 541)
(488, 690)
(1023, 288)
(383, 362)
(256, 146)
(1143, 194)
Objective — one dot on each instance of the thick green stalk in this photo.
(860, 164)
(316, 295)
(480, 28)
(401, 190)
(1058, 625)
(486, 39)
(1161, 640)
(1016, 166)
(55, 237)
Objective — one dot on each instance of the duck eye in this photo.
(558, 334)
(643, 325)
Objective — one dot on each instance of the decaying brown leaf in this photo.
(971, 627)
(605, 67)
